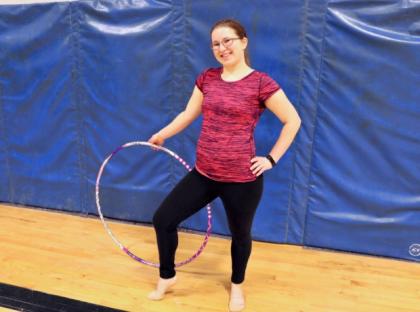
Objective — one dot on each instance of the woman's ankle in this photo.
(236, 285)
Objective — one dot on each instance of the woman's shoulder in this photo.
(211, 71)
(265, 78)
(261, 73)
(207, 76)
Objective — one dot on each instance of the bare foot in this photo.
(237, 299)
(161, 288)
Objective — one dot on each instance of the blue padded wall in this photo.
(79, 79)
(365, 158)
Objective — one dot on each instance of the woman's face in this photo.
(227, 52)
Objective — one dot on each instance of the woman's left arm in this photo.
(280, 105)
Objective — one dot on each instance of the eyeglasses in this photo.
(227, 42)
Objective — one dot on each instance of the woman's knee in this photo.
(241, 239)
(161, 221)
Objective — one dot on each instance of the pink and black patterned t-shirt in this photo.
(230, 112)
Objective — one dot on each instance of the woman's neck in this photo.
(236, 70)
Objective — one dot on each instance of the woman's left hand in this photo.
(259, 165)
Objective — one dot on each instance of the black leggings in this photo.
(191, 194)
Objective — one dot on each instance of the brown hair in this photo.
(239, 30)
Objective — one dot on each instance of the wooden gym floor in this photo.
(72, 256)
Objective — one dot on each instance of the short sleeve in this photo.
(199, 82)
(268, 86)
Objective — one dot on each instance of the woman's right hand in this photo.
(156, 139)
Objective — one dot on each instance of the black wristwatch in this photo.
(273, 163)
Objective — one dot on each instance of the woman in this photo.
(231, 99)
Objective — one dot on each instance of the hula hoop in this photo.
(116, 241)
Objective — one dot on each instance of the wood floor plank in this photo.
(72, 256)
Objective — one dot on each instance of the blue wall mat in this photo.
(4, 158)
(38, 112)
(365, 178)
(79, 79)
(124, 57)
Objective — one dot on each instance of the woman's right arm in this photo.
(183, 120)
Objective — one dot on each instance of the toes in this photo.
(155, 295)
(237, 302)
